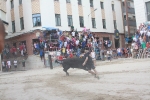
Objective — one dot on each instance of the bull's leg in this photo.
(65, 70)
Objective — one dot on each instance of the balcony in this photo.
(130, 10)
(130, 22)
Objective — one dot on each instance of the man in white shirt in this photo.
(68, 38)
(8, 65)
(77, 42)
(65, 44)
(15, 64)
(148, 33)
(3, 64)
(119, 52)
(58, 33)
(73, 33)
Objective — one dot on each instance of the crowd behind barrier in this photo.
(69, 44)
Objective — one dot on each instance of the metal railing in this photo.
(130, 23)
(130, 10)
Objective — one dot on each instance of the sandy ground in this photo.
(119, 80)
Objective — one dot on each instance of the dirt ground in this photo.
(119, 80)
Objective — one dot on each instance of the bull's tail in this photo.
(58, 62)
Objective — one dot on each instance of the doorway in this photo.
(117, 44)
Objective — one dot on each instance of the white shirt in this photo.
(73, 33)
(84, 39)
(65, 43)
(77, 42)
(58, 33)
(141, 32)
(118, 50)
(108, 52)
(148, 33)
(67, 51)
(3, 64)
(93, 55)
(34, 45)
(9, 63)
(132, 45)
(45, 45)
(15, 62)
(68, 38)
(141, 40)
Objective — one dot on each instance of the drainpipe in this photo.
(122, 17)
(127, 19)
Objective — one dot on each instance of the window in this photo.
(105, 38)
(70, 23)
(112, 7)
(15, 45)
(104, 23)
(20, 2)
(102, 5)
(36, 20)
(128, 3)
(12, 4)
(148, 10)
(79, 2)
(123, 4)
(91, 3)
(93, 23)
(115, 24)
(13, 27)
(67, 1)
(81, 21)
(58, 19)
(21, 23)
(124, 17)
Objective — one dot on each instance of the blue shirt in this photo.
(41, 53)
(83, 44)
(148, 27)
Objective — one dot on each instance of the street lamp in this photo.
(90, 14)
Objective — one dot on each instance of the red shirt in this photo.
(21, 47)
(148, 45)
(68, 46)
(14, 49)
(11, 50)
(71, 55)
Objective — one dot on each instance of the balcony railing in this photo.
(130, 10)
(130, 23)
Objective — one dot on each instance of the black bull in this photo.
(73, 63)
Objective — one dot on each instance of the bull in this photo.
(75, 63)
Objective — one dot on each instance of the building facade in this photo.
(129, 17)
(3, 14)
(142, 11)
(100, 16)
